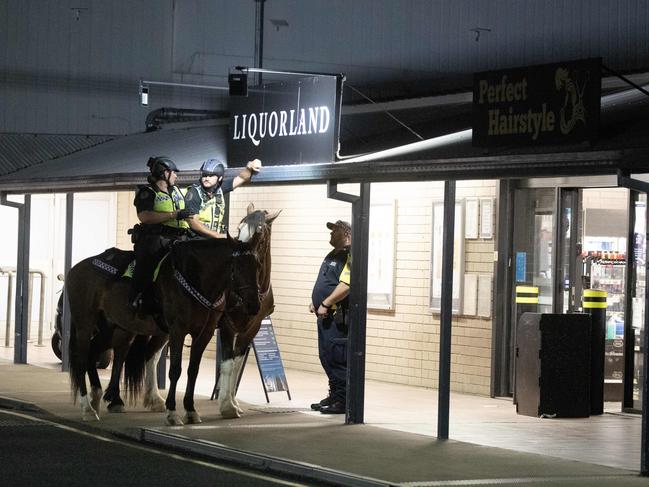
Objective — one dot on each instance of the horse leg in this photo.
(79, 361)
(98, 345)
(122, 340)
(236, 372)
(152, 398)
(198, 347)
(228, 378)
(176, 340)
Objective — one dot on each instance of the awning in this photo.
(121, 163)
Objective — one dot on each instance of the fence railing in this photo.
(11, 272)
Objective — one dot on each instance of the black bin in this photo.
(553, 365)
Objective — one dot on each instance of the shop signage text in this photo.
(546, 104)
(286, 122)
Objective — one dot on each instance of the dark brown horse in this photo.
(237, 327)
(195, 283)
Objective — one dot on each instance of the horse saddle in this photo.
(114, 261)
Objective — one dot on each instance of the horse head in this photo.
(256, 224)
(243, 292)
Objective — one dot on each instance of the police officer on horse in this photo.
(205, 198)
(163, 218)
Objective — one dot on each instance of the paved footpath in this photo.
(294, 440)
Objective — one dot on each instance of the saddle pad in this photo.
(113, 261)
(129, 272)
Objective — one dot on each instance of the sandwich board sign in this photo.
(269, 361)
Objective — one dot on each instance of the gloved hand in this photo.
(184, 213)
(254, 166)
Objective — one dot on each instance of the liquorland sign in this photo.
(537, 105)
(286, 122)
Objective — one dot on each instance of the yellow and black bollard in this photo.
(594, 303)
(527, 301)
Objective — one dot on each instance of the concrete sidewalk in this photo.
(286, 436)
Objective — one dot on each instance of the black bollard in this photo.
(527, 301)
(594, 302)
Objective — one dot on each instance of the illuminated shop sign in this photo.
(294, 122)
(537, 105)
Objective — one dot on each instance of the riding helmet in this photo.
(159, 164)
(212, 167)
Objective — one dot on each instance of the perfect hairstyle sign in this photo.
(291, 122)
(537, 105)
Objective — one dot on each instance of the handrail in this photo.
(10, 290)
(10, 271)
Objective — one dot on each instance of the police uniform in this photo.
(332, 333)
(154, 240)
(209, 206)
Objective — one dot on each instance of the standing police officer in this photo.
(205, 198)
(329, 302)
(161, 210)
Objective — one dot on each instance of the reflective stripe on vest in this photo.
(166, 204)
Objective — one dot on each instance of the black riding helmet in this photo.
(159, 164)
(212, 167)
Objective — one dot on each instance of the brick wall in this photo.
(402, 343)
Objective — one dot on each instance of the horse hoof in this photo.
(115, 408)
(173, 419)
(156, 405)
(230, 413)
(88, 413)
(192, 418)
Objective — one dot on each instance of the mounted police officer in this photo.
(330, 303)
(161, 210)
(205, 198)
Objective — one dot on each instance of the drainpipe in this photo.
(22, 277)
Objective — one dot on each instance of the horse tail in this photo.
(134, 367)
(76, 369)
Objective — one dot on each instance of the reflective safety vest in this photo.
(163, 202)
(212, 212)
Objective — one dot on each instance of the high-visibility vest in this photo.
(212, 212)
(166, 203)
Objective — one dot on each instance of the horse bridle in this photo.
(236, 291)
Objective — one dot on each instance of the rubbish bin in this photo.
(553, 365)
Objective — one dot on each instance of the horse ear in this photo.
(271, 216)
(228, 236)
(251, 208)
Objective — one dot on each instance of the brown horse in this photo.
(195, 284)
(237, 327)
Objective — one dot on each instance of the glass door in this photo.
(567, 283)
(634, 329)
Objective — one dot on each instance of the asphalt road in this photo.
(37, 450)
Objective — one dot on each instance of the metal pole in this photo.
(30, 293)
(41, 308)
(10, 292)
(446, 312)
(259, 37)
(22, 283)
(67, 264)
(354, 412)
(358, 308)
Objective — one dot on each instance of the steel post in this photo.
(446, 312)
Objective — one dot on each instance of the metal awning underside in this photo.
(19, 151)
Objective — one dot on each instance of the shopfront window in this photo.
(638, 295)
(533, 244)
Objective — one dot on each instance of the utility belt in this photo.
(139, 231)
